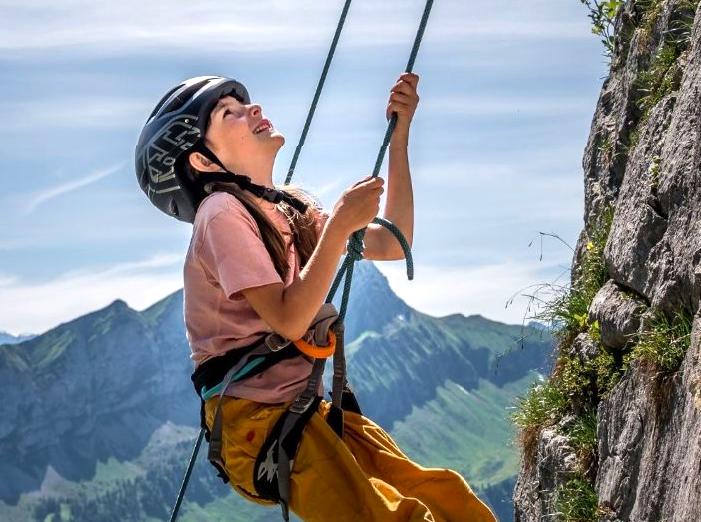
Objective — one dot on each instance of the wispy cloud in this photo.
(7, 280)
(154, 262)
(486, 289)
(268, 25)
(479, 104)
(521, 182)
(44, 195)
(85, 112)
(26, 308)
(480, 289)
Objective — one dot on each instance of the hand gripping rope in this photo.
(354, 253)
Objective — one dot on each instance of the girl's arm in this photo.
(380, 243)
(290, 311)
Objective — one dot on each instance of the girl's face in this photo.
(240, 135)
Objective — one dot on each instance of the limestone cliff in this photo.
(615, 433)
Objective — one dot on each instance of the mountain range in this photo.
(99, 414)
(8, 338)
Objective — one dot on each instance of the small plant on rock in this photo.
(543, 405)
(663, 342)
(602, 14)
(576, 500)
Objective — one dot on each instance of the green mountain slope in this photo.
(99, 413)
(468, 431)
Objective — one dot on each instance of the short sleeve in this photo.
(232, 250)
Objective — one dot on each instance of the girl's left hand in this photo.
(403, 100)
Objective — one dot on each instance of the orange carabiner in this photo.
(318, 352)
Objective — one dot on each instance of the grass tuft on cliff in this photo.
(576, 501)
(664, 73)
(571, 381)
(581, 435)
(660, 79)
(543, 405)
(663, 342)
(570, 307)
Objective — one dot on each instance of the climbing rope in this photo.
(186, 478)
(355, 242)
(319, 86)
(298, 149)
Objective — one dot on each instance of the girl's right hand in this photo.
(359, 204)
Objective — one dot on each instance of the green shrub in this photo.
(576, 500)
(663, 342)
(659, 79)
(607, 371)
(569, 309)
(664, 73)
(602, 14)
(571, 379)
(543, 405)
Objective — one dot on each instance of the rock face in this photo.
(650, 450)
(643, 157)
(555, 461)
(618, 315)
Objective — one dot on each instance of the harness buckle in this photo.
(272, 195)
(275, 342)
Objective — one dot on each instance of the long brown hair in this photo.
(303, 226)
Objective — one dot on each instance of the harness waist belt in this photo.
(213, 377)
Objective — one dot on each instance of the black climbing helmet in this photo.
(177, 126)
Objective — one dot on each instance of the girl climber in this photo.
(260, 262)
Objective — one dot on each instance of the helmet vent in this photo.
(173, 207)
(180, 100)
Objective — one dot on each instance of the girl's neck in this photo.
(261, 173)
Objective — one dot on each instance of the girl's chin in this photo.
(274, 142)
(276, 136)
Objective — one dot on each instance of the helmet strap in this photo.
(267, 193)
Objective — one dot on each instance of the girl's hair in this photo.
(303, 226)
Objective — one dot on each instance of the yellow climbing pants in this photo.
(363, 478)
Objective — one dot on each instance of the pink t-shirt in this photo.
(227, 255)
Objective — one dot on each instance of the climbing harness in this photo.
(325, 338)
(214, 376)
(274, 462)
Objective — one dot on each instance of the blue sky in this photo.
(507, 89)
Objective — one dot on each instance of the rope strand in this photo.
(355, 242)
(319, 86)
(186, 478)
(310, 115)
